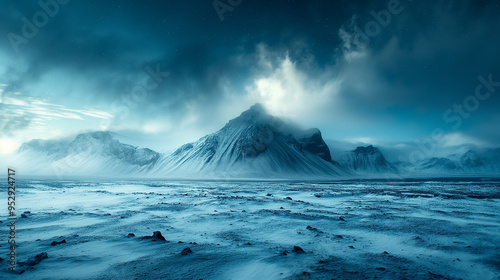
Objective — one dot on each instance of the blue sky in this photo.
(162, 73)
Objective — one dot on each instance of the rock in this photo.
(186, 251)
(24, 216)
(131, 234)
(34, 261)
(350, 246)
(54, 243)
(27, 212)
(313, 229)
(268, 194)
(385, 252)
(298, 250)
(289, 198)
(248, 243)
(285, 253)
(436, 275)
(180, 242)
(342, 219)
(158, 236)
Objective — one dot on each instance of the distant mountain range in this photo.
(254, 145)
(471, 162)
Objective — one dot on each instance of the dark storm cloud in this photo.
(93, 36)
(426, 59)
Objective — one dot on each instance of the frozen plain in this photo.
(407, 229)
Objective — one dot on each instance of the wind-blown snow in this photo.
(416, 229)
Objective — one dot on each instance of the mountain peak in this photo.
(255, 116)
(367, 159)
(98, 135)
(367, 150)
(257, 107)
(259, 144)
(256, 111)
(471, 159)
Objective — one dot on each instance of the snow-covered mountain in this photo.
(369, 160)
(253, 145)
(471, 162)
(438, 165)
(365, 160)
(89, 154)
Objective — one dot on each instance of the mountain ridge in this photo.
(254, 145)
(367, 159)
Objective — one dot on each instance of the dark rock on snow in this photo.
(298, 250)
(156, 236)
(186, 251)
(54, 243)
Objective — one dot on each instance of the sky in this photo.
(396, 74)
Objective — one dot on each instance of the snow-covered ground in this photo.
(239, 230)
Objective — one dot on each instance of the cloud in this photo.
(299, 58)
(458, 139)
(23, 118)
(42, 109)
(288, 91)
(364, 141)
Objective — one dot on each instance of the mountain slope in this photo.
(470, 162)
(89, 154)
(367, 159)
(253, 145)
